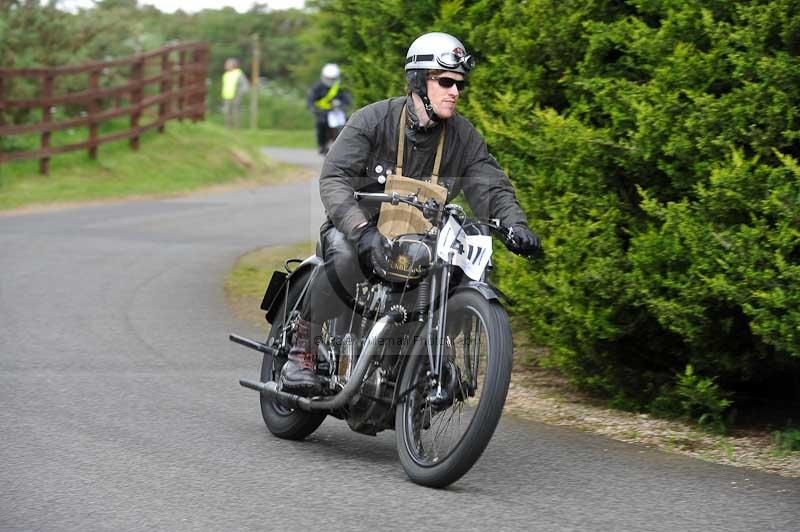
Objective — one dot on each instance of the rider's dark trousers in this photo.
(333, 287)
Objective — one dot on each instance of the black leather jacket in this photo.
(367, 147)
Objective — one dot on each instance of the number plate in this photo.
(471, 252)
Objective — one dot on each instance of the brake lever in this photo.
(510, 236)
(506, 234)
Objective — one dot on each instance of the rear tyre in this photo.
(285, 423)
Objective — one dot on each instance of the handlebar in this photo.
(389, 197)
(431, 208)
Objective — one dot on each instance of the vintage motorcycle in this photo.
(425, 348)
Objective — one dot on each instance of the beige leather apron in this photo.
(402, 219)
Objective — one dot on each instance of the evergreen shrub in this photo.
(654, 145)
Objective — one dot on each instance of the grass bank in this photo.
(246, 282)
(185, 158)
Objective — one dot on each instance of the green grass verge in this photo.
(246, 282)
(186, 157)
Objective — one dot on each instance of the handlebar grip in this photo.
(536, 253)
(373, 197)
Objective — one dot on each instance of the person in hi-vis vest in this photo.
(234, 85)
(329, 102)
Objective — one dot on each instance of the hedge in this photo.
(654, 145)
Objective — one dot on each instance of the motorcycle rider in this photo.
(436, 67)
(327, 98)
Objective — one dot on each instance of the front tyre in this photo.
(286, 423)
(439, 441)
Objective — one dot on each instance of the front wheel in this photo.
(441, 435)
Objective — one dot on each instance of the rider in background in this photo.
(329, 102)
(436, 67)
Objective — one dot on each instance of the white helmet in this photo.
(330, 71)
(438, 51)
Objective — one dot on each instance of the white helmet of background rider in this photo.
(434, 51)
(330, 73)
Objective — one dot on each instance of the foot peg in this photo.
(252, 344)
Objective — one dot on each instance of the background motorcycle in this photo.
(334, 121)
(426, 349)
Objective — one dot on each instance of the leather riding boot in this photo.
(299, 375)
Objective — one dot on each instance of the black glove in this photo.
(371, 247)
(524, 242)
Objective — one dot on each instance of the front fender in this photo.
(486, 290)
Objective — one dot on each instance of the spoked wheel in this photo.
(441, 434)
(286, 423)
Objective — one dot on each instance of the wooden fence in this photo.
(172, 78)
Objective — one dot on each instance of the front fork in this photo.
(437, 324)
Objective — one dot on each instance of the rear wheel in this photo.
(286, 423)
(440, 436)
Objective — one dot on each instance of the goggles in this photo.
(449, 60)
(449, 82)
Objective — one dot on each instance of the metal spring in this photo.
(423, 299)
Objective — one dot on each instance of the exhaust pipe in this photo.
(353, 384)
(270, 388)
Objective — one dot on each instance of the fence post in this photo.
(198, 77)
(254, 89)
(137, 74)
(164, 89)
(203, 76)
(205, 56)
(2, 112)
(93, 109)
(181, 82)
(47, 117)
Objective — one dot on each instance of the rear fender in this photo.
(276, 289)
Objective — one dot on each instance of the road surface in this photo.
(121, 409)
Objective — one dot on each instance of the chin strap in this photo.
(417, 82)
(429, 108)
